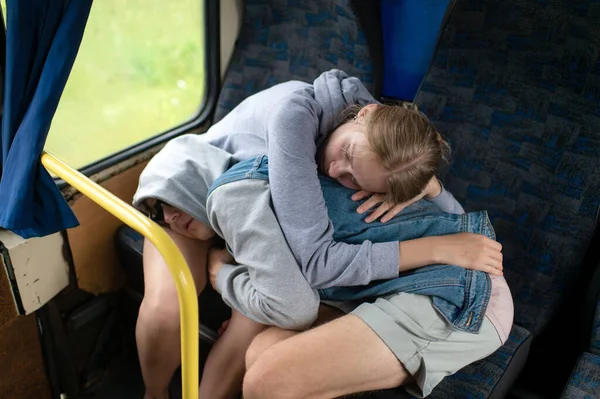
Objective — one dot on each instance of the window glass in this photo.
(139, 72)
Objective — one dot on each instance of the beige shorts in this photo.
(423, 341)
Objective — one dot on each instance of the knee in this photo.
(158, 317)
(264, 341)
(266, 379)
(260, 344)
(253, 386)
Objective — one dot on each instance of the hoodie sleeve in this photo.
(447, 203)
(267, 285)
(292, 131)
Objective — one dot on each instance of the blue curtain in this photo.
(410, 33)
(42, 40)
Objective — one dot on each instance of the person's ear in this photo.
(365, 111)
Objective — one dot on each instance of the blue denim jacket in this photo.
(460, 295)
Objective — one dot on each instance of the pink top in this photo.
(500, 309)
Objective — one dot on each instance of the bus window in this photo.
(139, 73)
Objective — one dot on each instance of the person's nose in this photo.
(171, 215)
(337, 169)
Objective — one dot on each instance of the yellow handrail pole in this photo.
(186, 290)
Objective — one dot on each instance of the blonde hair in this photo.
(407, 144)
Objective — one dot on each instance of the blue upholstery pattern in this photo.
(595, 343)
(585, 379)
(515, 87)
(283, 40)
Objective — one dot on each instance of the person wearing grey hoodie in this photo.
(179, 177)
(267, 287)
(287, 123)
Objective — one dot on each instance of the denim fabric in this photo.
(460, 295)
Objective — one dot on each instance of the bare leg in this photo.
(337, 358)
(157, 329)
(264, 341)
(225, 368)
(274, 335)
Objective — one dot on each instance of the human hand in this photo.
(217, 257)
(387, 210)
(470, 251)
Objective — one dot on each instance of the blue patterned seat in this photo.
(523, 125)
(595, 341)
(522, 122)
(585, 378)
(283, 40)
(514, 87)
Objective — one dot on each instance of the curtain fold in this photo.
(42, 40)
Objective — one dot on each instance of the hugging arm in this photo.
(425, 235)
(292, 131)
(267, 285)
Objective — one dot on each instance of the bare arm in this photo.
(468, 250)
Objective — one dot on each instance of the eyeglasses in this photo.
(156, 212)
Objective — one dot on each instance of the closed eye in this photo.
(347, 154)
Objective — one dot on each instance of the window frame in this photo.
(207, 107)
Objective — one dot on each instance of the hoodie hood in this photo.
(181, 174)
(243, 132)
(334, 91)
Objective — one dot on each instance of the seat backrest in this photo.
(410, 30)
(515, 87)
(283, 40)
